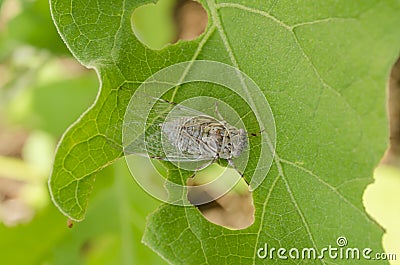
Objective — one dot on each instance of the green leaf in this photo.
(111, 233)
(323, 68)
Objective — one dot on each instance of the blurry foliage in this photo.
(42, 91)
(157, 29)
(111, 234)
(34, 26)
(381, 200)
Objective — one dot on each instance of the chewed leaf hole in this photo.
(392, 156)
(381, 197)
(167, 21)
(233, 210)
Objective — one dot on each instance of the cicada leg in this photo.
(158, 157)
(221, 119)
(203, 166)
(257, 133)
(230, 162)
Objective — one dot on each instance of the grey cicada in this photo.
(189, 138)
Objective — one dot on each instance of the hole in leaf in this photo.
(392, 156)
(190, 19)
(234, 210)
(168, 21)
(381, 197)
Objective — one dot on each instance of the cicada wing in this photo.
(152, 143)
(142, 128)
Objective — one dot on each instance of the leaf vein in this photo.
(263, 215)
(302, 217)
(327, 185)
(255, 11)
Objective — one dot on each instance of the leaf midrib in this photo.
(278, 161)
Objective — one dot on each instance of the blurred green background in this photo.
(42, 91)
